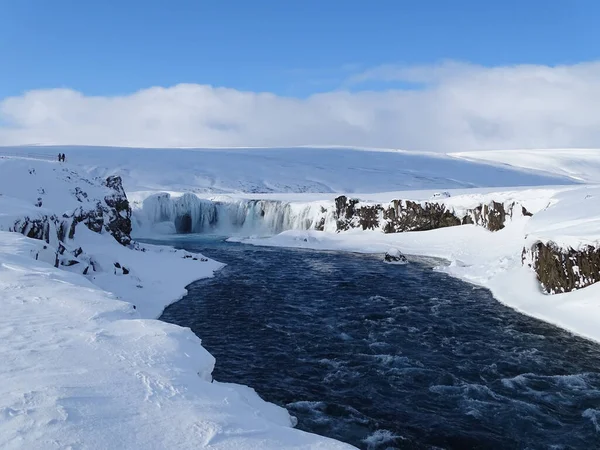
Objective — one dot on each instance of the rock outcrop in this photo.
(405, 215)
(117, 212)
(561, 269)
(394, 256)
(110, 214)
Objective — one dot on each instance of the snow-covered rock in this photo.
(394, 256)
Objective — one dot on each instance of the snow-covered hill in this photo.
(582, 165)
(325, 170)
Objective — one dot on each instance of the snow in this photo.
(300, 169)
(85, 363)
(582, 165)
(573, 220)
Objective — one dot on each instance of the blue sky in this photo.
(293, 48)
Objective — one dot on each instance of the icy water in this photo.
(384, 356)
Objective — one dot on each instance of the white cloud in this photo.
(459, 107)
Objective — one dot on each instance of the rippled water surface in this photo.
(385, 356)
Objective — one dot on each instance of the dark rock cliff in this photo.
(111, 214)
(117, 212)
(406, 215)
(563, 269)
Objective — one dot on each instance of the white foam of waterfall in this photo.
(188, 213)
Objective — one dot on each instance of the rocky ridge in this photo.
(110, 214)
(560, 269)
(405, 215)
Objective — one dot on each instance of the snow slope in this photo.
(582, 165)
(281, 170)
(84, 363)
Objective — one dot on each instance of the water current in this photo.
(386, 356)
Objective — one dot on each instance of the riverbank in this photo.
(489, 259)
(85, 363)
(382, 355)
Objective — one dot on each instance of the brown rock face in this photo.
(563, 270)
(491, 216)
(406, 215)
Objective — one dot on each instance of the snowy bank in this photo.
(84, 362)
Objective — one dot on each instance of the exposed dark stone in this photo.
(525, 212)
(369, 216)
(38, 228)
(405, 215)
(491, 216)
(119, 212)
(395, 257)
(117, 265)
(344, 211)
(320, 226)
(69, 262)
(79, 194)
(563, 269)
(125, 271)
(411, 216)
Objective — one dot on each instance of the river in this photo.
(386, 356)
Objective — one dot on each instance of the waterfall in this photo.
(189, 214)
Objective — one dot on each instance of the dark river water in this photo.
(384, 356)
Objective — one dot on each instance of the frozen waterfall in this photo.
(191, 214)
